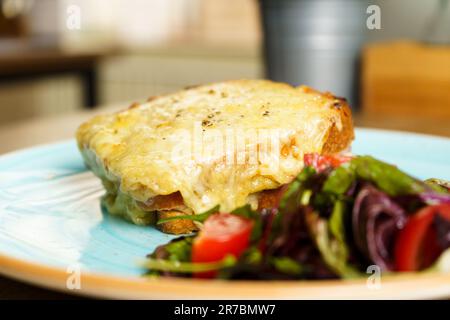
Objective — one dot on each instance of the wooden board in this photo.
(406, 79)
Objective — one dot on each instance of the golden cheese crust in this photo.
(215, 144)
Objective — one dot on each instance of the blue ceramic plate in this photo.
(52, 228)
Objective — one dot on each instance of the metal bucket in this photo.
(315, 42)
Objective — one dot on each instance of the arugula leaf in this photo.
(286, 265)
(290, 198)
(305, 197)
(334, 252)
(180, 249)
(252, 256)
(385, 176)
(336, 222)
(201, 217)
(188, 267)
(306, 173)
(339, 180)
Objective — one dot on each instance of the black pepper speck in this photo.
(337, 105)
(207, 123)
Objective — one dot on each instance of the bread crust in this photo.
(339, 140)
(180, 226)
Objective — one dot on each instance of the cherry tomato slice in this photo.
(416, 244)
(321, 162)
(222, 234)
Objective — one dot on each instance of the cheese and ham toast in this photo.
(221, 144)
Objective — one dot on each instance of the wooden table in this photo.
(29, 64)
(37, 131)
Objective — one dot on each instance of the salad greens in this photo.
(328, 223)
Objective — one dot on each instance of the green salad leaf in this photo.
(337, 221)
(179, 249)
(340, 180)
(289, 200)
(306, 173)
(385, 176)
(201, 217)
(294, 194)
(329, 241)
(164, 265)
(286, 265)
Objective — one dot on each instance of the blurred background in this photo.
(62, 60)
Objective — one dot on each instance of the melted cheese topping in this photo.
(194, 142)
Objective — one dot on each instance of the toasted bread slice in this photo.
(218, 144)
